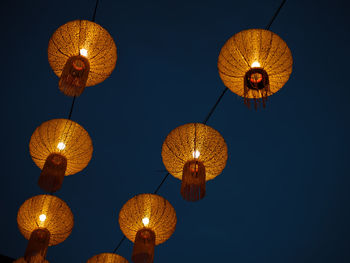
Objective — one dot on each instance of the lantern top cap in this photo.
(194, 141)
(107, 258)
(255, 48)
(64, 137)
(46, 212)
(88, 39)
(149, 211)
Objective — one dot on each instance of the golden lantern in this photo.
(194, 153)
(107, 258)
(59, 147)
(255, 64)
(81, 53)
(45, 220)
(147, 220)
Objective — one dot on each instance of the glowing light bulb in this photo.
(61, 146)
(196, 154)
(145, 221)
(42, 217)
(256, 64)
(83, 52)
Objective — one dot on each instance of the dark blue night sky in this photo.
(284, 194)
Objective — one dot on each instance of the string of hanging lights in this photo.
(196, 174)
(253, 63)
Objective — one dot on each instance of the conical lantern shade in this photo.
(45, 220)
(107, 258)
(82, 54)
(255, 64)
(59, 147)
(194, 153)
(147, 220)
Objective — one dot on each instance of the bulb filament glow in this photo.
(196, 154)
(42, 217)
(145, 221)
(256, 64)
(61, 146)
(83, 52)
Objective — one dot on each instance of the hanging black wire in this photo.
(93, 20)
(275, 15)
(71, 108)
(94, 15)
(208, 116)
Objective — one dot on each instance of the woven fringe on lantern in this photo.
(143, 251)
(74, 76)
(37, 245)
(52, 175)
(258, 80)
(193, 181)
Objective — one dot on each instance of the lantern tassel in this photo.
(193, 181)
(52, 175)
(256, 80)
(74, 76)
(143, 251)
(37, 245)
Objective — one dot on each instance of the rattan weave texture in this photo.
(107, 258)
(70, 38)
(255, 45)
(59, 218)
(65, 137)
(161, 215)
(184, 142)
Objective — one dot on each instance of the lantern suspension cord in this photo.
(93, 20)
(206, 119)
(275, 15)
(71, 109)
(215, 105)
(94, 15)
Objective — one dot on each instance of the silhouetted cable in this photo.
(161, 183)
(93, 20)
(214, 107)
(94, 15)
(119, 244)
(208, 116)
(71, 109)
(275, 15)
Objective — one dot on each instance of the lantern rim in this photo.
(58, 57)
(130, 225)
(174, 163)
(234, 63)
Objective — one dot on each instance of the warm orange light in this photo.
(256, 64)
(83, 52)
(61, 146)
(42, 218)
(196, 154)
(145, 221)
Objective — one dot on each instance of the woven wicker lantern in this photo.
(59, 147)
(107, 258)
(45, 220)
(194, 153)
(147, 220)
(255, 64)
(81, 53)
